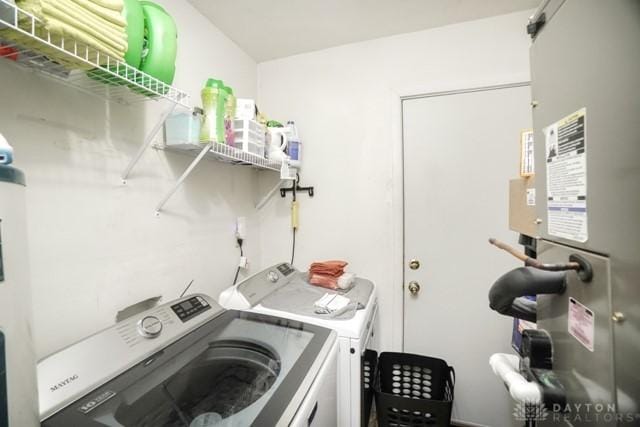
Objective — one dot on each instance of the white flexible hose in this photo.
(506, 366)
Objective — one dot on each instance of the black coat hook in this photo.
(295, 187)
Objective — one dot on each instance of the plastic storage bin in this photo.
(183, 128)
(412, 390)
(369, 363)
(249, 136)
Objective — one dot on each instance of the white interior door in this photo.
(460, 150)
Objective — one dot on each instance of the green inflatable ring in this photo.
(132, 13)
(134, 16)
(161, 34)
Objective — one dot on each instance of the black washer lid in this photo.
(12, 175)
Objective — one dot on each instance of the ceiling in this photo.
(269, 29)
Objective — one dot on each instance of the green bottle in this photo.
(229, 116)
(214, 98)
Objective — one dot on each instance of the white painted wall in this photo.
(95, 245)
(345, 101)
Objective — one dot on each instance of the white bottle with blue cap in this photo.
(6, 151)
(294, 146)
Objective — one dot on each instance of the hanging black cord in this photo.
(293, 245)
(235, 279)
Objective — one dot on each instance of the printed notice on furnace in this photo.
(566, 159)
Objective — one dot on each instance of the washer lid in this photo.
(12, 175)
(237, 369)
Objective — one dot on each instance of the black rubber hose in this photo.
(505, 296)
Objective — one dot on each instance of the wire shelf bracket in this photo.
(147, 142)
(224, 153)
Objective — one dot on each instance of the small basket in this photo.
(413, 390)
(369, 363)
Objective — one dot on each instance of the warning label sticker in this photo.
(527, 162)
(566, 159)
(531, 196)
(581, 323)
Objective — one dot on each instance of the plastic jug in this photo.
(277, 142)
(229, 115)
(214, 98)
(294, 145)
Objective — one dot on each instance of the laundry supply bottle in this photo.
(213, 103)
(229, 116)
(294, 148)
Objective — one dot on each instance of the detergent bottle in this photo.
(294, 145)
(213, 103)
(229, 116)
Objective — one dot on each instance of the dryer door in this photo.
(237, 370)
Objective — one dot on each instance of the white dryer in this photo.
(283, 291)
(191, 363)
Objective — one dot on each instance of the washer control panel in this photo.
(189, 308)
(149, 326)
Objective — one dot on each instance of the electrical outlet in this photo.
(241, 228)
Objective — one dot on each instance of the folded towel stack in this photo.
(331, 275)
(94, 24)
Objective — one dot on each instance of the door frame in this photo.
(398, 96)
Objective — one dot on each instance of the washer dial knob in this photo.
(149, 327)
(272, 276)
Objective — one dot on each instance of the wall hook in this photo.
(295, 187)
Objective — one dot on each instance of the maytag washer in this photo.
(283, 291)
(190, 363)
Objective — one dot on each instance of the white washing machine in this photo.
(190, 363)
(283, 291)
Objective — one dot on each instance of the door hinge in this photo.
(534, 27)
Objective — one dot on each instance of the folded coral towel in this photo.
(328, 282)
(327, 274)
(332, 268)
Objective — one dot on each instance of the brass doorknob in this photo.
(414, 288)
(414, 264)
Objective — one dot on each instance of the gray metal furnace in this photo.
(585, 62)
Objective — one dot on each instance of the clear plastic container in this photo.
(182, 128)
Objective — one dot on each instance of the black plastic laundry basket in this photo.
(369, 363)
(413, 390)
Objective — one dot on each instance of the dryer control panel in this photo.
(258, 286)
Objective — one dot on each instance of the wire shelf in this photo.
(225, 153)
(25, 42)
